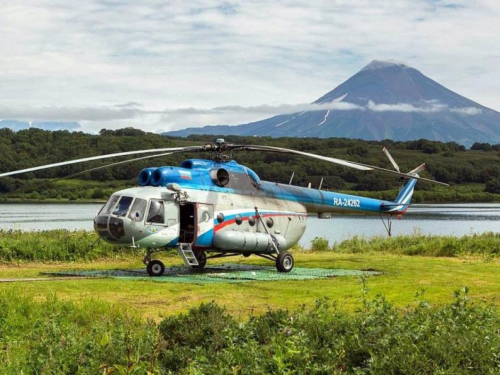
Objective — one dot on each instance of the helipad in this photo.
(224, 273)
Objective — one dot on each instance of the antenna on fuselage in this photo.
(321, 183)
(291, 178)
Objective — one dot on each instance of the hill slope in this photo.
(385, 100)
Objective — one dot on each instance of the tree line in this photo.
(447, 162)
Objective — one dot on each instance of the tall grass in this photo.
(486, 244)
(57, 245)
(63, 245)
(60, 337)
(54, 336)
(379, 339)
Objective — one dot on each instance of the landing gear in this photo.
(155, 268)
(201, 257)
(284, 262)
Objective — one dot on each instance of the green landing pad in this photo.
(224, 273)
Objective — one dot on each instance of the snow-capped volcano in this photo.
(384, 100)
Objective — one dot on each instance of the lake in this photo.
(440, 219)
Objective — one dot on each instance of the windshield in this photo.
(122, 206)
(110, 205)
(138, 209)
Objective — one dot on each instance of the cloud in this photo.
(69, 113)
(82, 58)
(136, 115)
(427, 107)
(469, 111)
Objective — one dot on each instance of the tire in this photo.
(156, 268)
(284, 262)
(201, 257)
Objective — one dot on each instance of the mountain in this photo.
(56, 125)
(14, 125)
(384, 100)
(45, 125)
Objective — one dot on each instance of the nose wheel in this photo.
(284, 262)
(155, 268)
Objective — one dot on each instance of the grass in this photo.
(410, 263)
(55, 336)
(57, 245)
(404, 276)
(486, 245)
(127, 326)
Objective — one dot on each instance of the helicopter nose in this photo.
(109, 228)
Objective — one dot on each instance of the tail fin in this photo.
(403, 199)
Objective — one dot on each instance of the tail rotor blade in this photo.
(417, 170)
(393, 162)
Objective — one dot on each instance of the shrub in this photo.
(54, 336)
(457, 338)
(320, 244)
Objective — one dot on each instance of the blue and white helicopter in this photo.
(213, 208)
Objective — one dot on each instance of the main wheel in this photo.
(201, 257)
(156, 268)
(284, 262)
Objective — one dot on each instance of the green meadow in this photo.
(434, 309)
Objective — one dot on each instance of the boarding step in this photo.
(187, 254)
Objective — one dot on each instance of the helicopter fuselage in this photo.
(222, 207)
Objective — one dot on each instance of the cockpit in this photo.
(109, 222)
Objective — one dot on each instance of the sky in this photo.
(168, 65)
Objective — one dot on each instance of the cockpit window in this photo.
(156, 212)
(110, 205)
(122, 206)
(138, 209)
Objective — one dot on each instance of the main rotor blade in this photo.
(112, 165)
(156, 150)
(345, 163)
(350, 164)
(394, 164)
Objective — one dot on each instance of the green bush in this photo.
(320, 244)
(486, 244)
(379, 339)
(89, 337)
(60, 337)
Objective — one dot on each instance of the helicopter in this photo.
(214, 208)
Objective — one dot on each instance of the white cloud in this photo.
(470, 111)
(428, 107)
(136, 115)
(61, 59)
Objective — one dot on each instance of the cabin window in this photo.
(138, 209)
(251, 221)
(238, 219)
(108, 207)
(121, 208)
(220, 217)
(156, 212)
(270, 222)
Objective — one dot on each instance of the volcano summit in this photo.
(384, 100)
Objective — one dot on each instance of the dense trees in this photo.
(447, 162)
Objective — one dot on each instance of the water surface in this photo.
(440, 219)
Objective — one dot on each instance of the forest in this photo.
(474, 174)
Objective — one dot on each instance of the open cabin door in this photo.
(205, 225)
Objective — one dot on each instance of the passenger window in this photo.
(156, 212)
(138, 209)
(122, 206)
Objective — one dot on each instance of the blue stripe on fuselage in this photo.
(314, 200)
